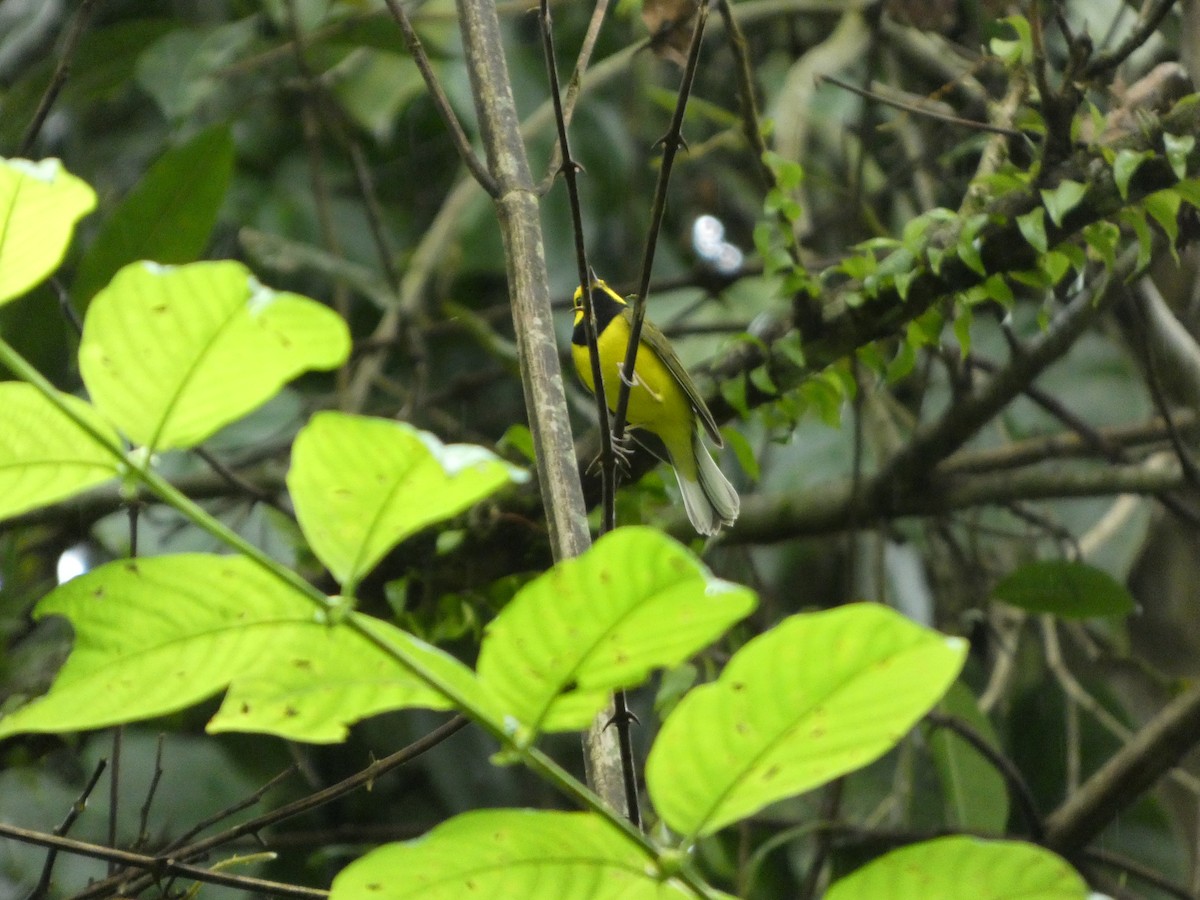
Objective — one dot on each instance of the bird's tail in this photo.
(709, 499)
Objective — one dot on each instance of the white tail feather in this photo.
(710, 501)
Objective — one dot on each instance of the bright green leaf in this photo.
(761, 379)
(1032, 226)
(1070, 589)
(996, 288)
(968, 245)
(170, 355)
(1163, 207)
(903, 281)
(1135, 219)
(1102, 237)
(936, 255)
(44, 455)
(519, 438)
(1126, 163)
(156, 635)
(743, 451)
(1074, 253)
(902, 363)
(1018, 51)
(362, 485)
(1179, 147)
(819, 695)
(975, 794)
(635, 601)
(41, 202)
(509, 853)
(1055, 265)
(1190, 191)
(733, 391)
(167, 217)
(316, 680)
(1063, 199)
(951, 868)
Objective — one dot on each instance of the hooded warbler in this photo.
(663, 400)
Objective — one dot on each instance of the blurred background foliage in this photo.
(297, 135)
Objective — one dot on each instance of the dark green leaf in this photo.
(1073, 590)
(167, 217)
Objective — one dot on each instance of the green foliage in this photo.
(1178, 147)
(1072, 590)
(1062, 199)
(973, 791)
(170, 355)
(42, 203)
(634, 602)
(509, 853)
(1033, 228)
(964, 867)
(1125, 164)
(167, 217)
(1015, 51)
(44, 455)
(361, 486)
(819, 695)
(153, 636)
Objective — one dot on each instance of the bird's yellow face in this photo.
(577, 303)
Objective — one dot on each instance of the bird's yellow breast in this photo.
(657, 403)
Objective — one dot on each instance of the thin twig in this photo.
(158, 866)
(1103, 63)
(244, 803)
(830, 804)
(237, 482)
(61, 72)
(608, 462)
(114, 784)
(1155, 750)
(671, 143)
(64, 304)
(40, 889)
(919, 110)
(1072, 688)
(1017, 787)
(621, 717)
(457, 135)
(369, 775)
(156, 778)
(565, 108)
(1140, 871)
(747, 101)
(936, 441)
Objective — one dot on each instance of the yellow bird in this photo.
(663, 400)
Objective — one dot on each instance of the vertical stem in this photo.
(671, 143)
(545, 399)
